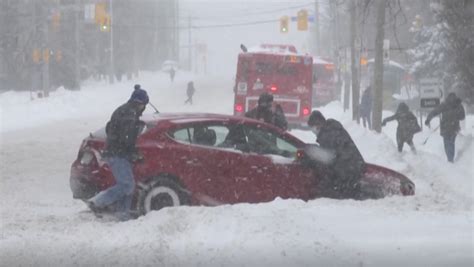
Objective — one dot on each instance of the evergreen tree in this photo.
(446, 49)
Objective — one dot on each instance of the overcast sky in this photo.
(223, 42)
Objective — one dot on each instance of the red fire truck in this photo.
(324, 85)
(279, 70)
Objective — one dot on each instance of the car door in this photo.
(275, 170)
(214, 167)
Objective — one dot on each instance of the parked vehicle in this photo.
(210, 159)
(168, 65)
(279, 70)
(324, 85)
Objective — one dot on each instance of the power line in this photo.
(246, 14)
(235, 24)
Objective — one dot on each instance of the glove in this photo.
(427, 123)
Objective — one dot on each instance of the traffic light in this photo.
(56, 20)
(302, 17)
(284, 24)
(36, 55)
(105, 23)
(101, 17)
(100, 13)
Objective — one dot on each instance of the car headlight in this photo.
(86, 158)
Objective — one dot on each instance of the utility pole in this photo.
(378, 67)
(77, 51)
(45, 49)
(354, 63)
(317, 43)
(111, 49)
(190, 52)
(176, 31)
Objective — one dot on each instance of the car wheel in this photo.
(160, 193)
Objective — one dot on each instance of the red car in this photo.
(209, 159)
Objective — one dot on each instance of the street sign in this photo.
(429, 102)
(430, 88)
(430, 92)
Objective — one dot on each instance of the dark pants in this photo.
(366, 118)
(449, 146)
(189, 100)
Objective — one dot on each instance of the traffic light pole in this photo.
(317, 46)
(77, 52)
(111, 49)
(45, 52)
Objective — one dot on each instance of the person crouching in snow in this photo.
(407, 126)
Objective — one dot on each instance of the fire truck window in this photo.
(244, 71)
(263, 68)
(287, 70)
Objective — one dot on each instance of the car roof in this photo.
(178, 118)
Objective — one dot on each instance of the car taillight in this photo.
(239, 107)
(300, 154)
(273, 88)
(306, 111)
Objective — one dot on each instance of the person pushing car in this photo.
(120, 152)
(343, 173)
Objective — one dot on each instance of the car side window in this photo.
(262, 141)
(183, 135)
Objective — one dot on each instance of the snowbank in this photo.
(43, 226)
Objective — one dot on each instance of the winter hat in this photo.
(402, 107)
(316, 117)
(265, 98)
(139, 95)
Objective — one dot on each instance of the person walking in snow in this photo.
(452, 112)
(263, 111)
(190, 92)
(345, 170)
(366, 107)
(407, 126)
(120, 153)
(172, 73)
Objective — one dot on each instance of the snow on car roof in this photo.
(189, 117)
(271, 50)
(318, 60)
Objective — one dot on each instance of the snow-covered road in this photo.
(41, 225)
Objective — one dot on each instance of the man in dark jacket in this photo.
(366, 107)
(407, 126)
(263, 111)
(348, 165)
(452, 112)
(120, 152)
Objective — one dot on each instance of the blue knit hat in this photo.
(139, 95)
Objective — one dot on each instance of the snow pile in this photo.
(42, 225)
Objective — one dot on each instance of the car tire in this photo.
(161, 192)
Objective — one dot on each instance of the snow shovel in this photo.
(434, 130)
